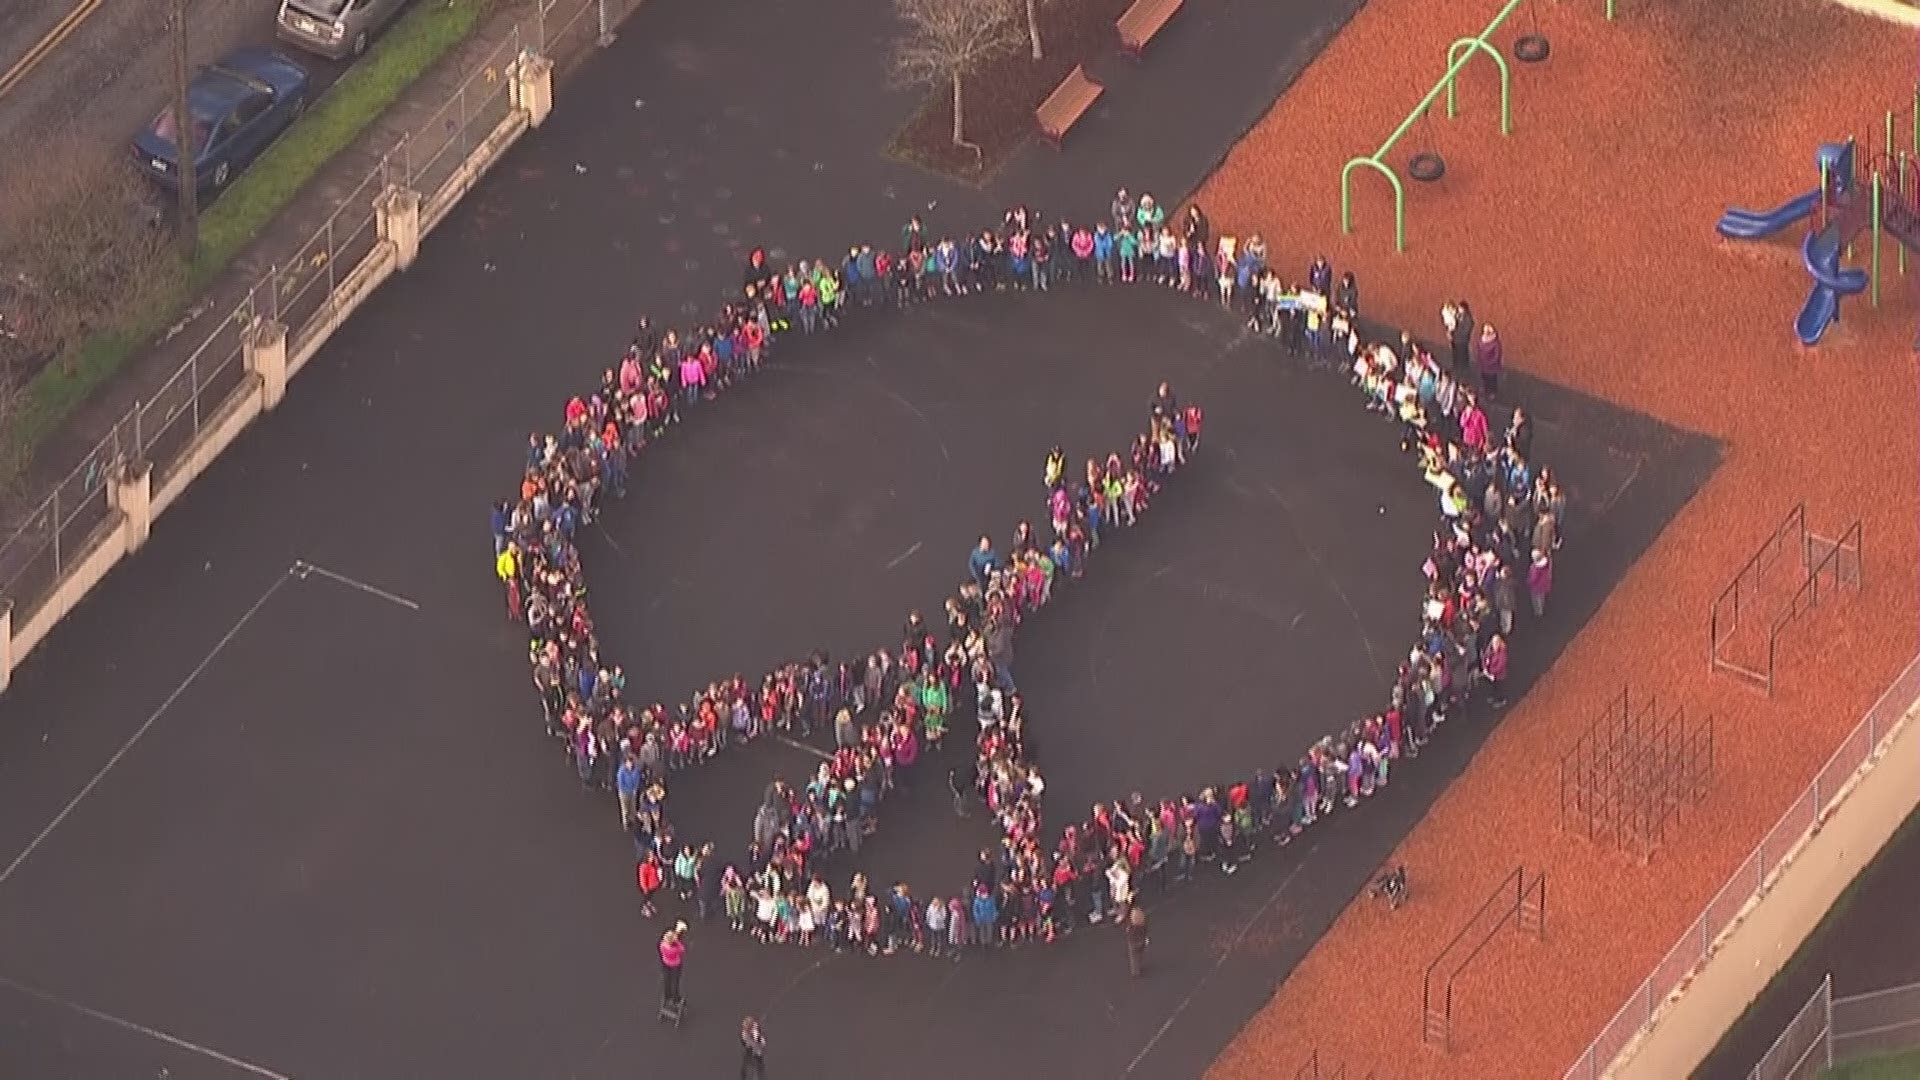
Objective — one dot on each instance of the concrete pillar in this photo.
(533, 87)
(6, 643)
(264, 346)
(397, 212)
(130, 491)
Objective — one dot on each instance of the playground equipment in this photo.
(1428, 165)
(1882, 199)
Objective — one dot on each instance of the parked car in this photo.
(236, 108)
(335, 29)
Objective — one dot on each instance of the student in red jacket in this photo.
(649, 876)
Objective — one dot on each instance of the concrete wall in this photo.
(1758, 945)
(274, 355)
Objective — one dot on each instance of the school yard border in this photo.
(1773, 901)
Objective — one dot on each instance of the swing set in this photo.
(1427, 165)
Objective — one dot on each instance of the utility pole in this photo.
(185, 145)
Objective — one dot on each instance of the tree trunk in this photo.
(959, 114)
(1033, 26)
(183, 141)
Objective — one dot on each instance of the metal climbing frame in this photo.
(1632, 771)
(1517, 899)
(1826, 565)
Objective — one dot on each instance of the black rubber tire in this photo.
(1427, 166)
(1532, 48)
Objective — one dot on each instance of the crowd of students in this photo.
(890, 714)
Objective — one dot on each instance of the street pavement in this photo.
(112, 71)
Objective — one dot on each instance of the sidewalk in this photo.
(286, 275)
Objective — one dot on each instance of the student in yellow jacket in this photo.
(507, 566)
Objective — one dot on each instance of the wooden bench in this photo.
(1142, 21)
(1067, 104)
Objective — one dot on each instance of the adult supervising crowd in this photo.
(888, 717)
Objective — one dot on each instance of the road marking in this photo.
(796, 744)
(905, 555)
(1232, 947)
(141, 731)
(142, 1029)
(45, 46)
(302, 569)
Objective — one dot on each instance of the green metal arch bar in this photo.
(1466, 47)
(1399, 198)
(1375, 159)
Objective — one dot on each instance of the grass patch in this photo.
(1888, 1067)
(427, 32)
(397, 59)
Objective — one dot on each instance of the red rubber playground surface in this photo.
(1587, 236)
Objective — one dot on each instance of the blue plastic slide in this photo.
(1820, 253)
(1738, 224)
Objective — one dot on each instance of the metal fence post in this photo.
(606, 23)
(1826, 991)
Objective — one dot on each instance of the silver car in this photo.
(336, 29)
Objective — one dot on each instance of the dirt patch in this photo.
(1000, 100)
(1587, 236)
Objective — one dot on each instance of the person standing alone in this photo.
(753, 1050)
(673, 956)
(1136, 941)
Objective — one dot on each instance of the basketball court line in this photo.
(145, 726)
(303, 569)
(300, 570)
(1225, 954)
(175, 1041)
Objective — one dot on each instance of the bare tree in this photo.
(948, 40)
(1033, 25)
(80, 248)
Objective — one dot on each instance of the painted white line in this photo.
(905, 555)
(803, 747)
(1232, 947)
(142, 1029)
(140, 732)
(302, 568)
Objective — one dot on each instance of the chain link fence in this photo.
(1830, 1031)
(1754, 877)
(298, 292)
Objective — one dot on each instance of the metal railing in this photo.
(299, 293)
(1753, 878)
(1829, 1031)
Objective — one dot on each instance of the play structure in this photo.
(1427, 165)
(1883, 199)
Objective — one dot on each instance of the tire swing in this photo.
(1427, 166)
(1532, 47)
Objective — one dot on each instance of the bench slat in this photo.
(1143, 21)
(1067, 104)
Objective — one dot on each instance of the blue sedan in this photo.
(235, 109)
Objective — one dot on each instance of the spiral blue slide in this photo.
(1820, 254)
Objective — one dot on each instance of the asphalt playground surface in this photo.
(274, 802)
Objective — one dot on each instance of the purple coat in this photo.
(1540, 577)
(1486, 355)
